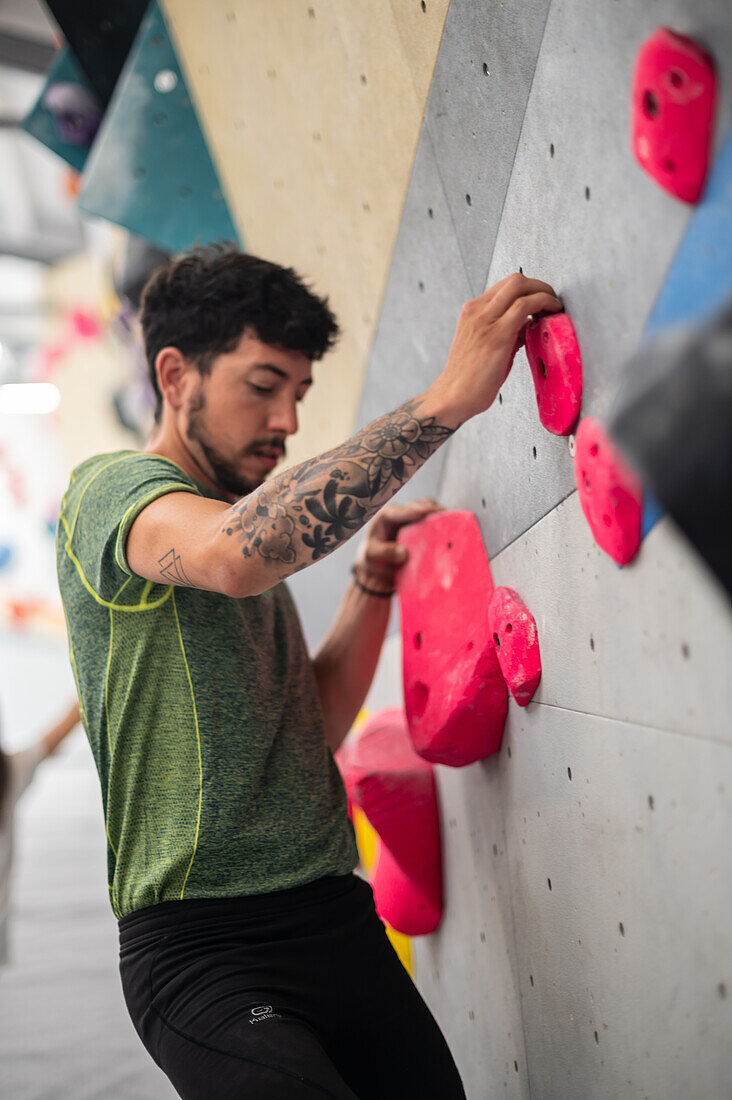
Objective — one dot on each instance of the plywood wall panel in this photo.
(312, 113)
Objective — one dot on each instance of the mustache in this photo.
(271, 443)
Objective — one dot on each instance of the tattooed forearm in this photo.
(311, 510)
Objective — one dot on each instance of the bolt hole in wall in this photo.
(569, 772)
(587, 193)
(418, 640)
(430, 212)
(468, 200)
(621, 928)
(533, 450)
(551, 150)
(549, 883)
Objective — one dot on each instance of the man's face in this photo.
(239, 415)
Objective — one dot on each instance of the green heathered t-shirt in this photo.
(202, 712)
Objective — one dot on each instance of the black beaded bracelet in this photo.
(370, 591)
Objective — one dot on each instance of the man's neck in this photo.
(165, 440)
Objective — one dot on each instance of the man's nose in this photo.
(283, 417)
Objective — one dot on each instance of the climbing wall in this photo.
(585, 949)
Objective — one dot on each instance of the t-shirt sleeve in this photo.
(103, 509)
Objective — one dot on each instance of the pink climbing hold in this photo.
(396, 790)
(454, 694)
(674, 92)
(610, 493)
(556, 367)
(515, 637)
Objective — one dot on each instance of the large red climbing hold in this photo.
(674, 92)
(516, 639)
(454, 694)
(396, 790)
(556, 367)
(609, 491)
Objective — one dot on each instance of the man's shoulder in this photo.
(126, 470)
(128, 463)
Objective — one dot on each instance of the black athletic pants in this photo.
(291, 995)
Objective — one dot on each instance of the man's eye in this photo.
(260, 389)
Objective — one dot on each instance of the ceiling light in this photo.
(29, 397)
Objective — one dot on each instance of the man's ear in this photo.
(173, 373)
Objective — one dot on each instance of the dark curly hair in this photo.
(203, 301)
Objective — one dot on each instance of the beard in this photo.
(225, 471)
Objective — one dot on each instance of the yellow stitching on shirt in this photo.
(198, 741)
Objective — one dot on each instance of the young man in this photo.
(252, 961)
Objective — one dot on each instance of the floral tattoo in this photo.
(309, 511)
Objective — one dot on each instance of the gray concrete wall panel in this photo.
(581, 214)
(425, 292)
(620, 893)
(650, 643)
(468, 972)
(474, 114)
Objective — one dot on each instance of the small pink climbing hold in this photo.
(396, 790)
(515, 637)
(610, 493)
(556, 367)
(674, 92)
(454, 693)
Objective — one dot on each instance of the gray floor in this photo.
(64, 1029)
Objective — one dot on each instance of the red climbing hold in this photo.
(609, 491)
(396, 790)
(674, 91)
(513, 629)
(556, 366)
(454, 694)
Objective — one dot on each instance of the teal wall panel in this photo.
(150, 169)
(66, 115)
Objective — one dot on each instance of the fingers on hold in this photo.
(387, 553)
(525, 307)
